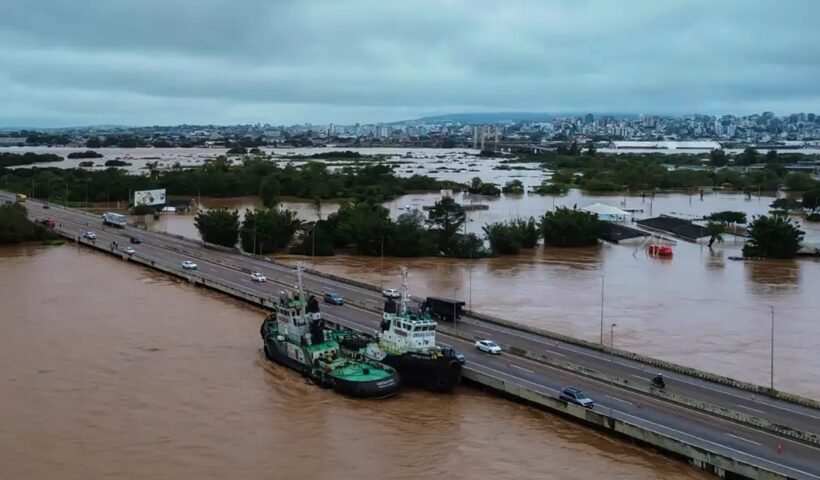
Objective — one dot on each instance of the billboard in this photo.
(149, 197)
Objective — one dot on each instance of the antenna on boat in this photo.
(404, 294)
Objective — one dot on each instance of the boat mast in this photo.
(300, 287)
(404, 294)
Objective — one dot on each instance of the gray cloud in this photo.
(64, 62)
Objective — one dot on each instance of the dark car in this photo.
(135, 239)
(45, 205)
(334, 299)
(576, 396)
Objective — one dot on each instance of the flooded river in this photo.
(108, 370)
(699, 308)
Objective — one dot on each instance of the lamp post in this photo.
(771, 368)
(611, 359)
(602, 310)
(455, 289)
(381, 266)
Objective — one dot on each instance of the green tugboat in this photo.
(294, 335)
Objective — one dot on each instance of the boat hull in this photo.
(378, 388)
(437, 374)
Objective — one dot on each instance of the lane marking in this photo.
(620, 400)
(482, 333)
(745, 439)
(555, 353)
(521, 368)
(642, 378)
(750, 408)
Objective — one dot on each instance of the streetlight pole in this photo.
(455, 289)
(381, 267)
(771, 369)
(602, 309)
(611, 359)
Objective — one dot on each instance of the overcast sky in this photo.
(138, 62)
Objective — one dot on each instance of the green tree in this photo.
(716, 231)
(446, 217)
(513, 187)
(15, 227)
(475, 185)
(800, 182)
(550, 188)
(749, 156)
(591, 150)
(811, 199)
(316, 240)
(718, 157)
(467, 246)
(527, 231)
(771, 156)
(785, 204)
(269, 191)
(93, 142)
(220, 226)
(773, 236)
(728, 217)
(410, 238)
(268, 230)
(502, 237)
(366, 226)
(570, 228)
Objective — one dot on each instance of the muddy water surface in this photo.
(113, 371)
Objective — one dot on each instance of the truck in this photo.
(20, 198)
(47, 222)
(114, 219)
(444, 308)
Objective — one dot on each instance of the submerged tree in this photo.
(570, 228)
(220, 226)
(446, 217)
(265, 231)
(773, 236)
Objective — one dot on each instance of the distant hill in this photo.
(497, 117)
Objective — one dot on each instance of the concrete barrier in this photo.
(662, 364)
(646, 389)
(702, 458)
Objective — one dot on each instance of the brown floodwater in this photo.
(699, 308)
(108, 370)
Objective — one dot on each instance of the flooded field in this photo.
(108, 370)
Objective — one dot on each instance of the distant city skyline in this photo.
(170, 62)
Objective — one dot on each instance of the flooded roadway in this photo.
(108, 370)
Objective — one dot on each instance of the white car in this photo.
(391, 293)
(90, 235)
(130, 250)
(488, 346)
(189, 265)
(258, 277)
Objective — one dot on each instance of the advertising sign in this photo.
(149, 197)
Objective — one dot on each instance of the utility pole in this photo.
(771, 380)
(313, 245)
(602, 309)
(611, 360)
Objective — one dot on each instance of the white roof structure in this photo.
(604, 209)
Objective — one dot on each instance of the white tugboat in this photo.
(407, 342)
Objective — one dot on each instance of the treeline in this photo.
(220, 178)
(611, 173)
(367, 229)
(9, 159)
(15, 227)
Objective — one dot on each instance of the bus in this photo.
(114, 219)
